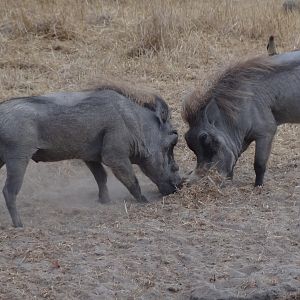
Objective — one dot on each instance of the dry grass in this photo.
(150, 41)
(44, 48)
(171, 26)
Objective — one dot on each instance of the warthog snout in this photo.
(170, 187)
(193, 176)
(166, 189)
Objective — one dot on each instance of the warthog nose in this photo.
(178, 183)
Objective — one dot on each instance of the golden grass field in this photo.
(204, 242)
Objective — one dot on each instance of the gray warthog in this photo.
(113, 125)
(291, 5)
(245, 104)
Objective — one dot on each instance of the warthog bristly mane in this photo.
(236, 83)
(144, 97)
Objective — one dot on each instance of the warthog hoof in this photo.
(258, 189)
(104, 199)
(143, 199)
(18, 223)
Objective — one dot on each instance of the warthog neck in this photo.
(234, 137)
(142, 145)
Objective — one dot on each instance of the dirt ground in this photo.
(232, 243)
(208, 241)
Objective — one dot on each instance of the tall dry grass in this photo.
(55, 44)
(157, 25)
(170, 24)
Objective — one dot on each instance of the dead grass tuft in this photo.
(21, 65)
(203, 191)
(171, 27)
(50, 27)
(159, 29)
(46, 19)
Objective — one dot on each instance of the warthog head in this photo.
(211, 144)
(159, 164)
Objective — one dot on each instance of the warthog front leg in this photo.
(15, 173)
(262, 152)
(123, 170)
(101, 179)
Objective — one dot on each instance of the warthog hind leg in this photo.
(101, 179)
(15, 173)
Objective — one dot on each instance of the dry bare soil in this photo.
(204, 242)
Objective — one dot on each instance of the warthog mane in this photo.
(144, 97)
(236, 83)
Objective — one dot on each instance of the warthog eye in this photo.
(208, 140)
(171, 139)
(208, 145)
(203, 137)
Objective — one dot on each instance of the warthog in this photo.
(113, 125)
(245, 104)
(291, 5)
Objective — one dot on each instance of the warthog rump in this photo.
(113, 125)
(245, 104)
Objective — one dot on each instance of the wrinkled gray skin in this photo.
(218, 143)
(96, 127)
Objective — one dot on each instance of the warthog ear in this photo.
(212, 112)
(172, 138)
(161, 110)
